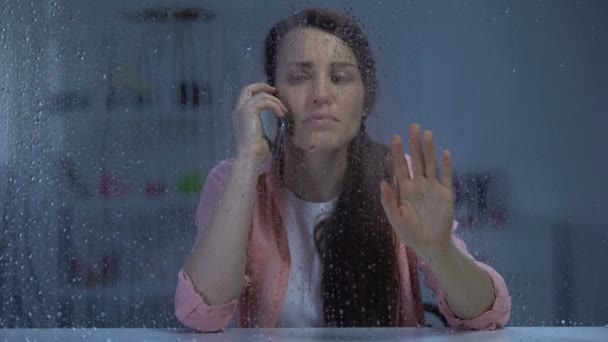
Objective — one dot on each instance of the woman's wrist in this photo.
(249, 160)
(440, 255)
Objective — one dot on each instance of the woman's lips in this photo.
(320, 120)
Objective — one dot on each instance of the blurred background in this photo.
(112, 113)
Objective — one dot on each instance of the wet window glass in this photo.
(313, 164)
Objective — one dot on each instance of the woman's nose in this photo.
(322, 92)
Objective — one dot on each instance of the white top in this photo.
(303, 306)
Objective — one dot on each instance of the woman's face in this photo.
(318, 79)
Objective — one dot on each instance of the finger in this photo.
(430, 155)
(401, 171)
(253, 89)
(389, 202)
(260, 98)
(257, 106)
(446, 174)
(286, 110)
(416, 149)
(274, 99)
(266, 104)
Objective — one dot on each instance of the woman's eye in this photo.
(298, 77)
(340, 78)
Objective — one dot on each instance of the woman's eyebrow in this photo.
(343, 65)
(301, 64)
(333, 64)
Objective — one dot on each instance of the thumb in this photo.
(389, 202)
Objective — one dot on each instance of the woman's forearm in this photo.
(467, 287)
(216, 265)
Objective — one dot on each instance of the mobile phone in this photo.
(272, 127)
(270, 124)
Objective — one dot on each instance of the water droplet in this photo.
(247, 52)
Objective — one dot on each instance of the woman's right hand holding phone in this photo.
(247, 123)
(218, 260)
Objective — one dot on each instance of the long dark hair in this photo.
(357, 246)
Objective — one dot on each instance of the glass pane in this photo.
(113, 115)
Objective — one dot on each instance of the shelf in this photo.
(148, 118)
(145, 114)
(130, 291)
(139, 202)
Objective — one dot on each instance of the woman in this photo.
(330, 230)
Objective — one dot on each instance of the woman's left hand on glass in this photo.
(420, 208)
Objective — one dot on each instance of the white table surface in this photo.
(309, 334)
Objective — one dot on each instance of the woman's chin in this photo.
(318, 146)
(320, 142)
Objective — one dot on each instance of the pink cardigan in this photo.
(268, 267)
